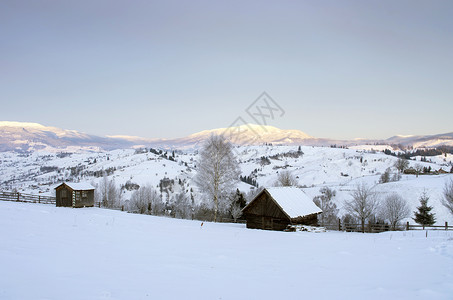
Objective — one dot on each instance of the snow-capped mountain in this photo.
(418, 141)
(20, 136)
(33, 136)
(249, 134)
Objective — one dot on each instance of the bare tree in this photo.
(395, 209)
(324, 202)
(418, 169)
(447, 200)
(285, 178)
(146, 200)
(363, 204)
(401, 164)
(108, 193)
(385, 177)
(218, 170)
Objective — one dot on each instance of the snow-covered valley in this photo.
(51, 253)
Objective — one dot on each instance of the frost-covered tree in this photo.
(182, 206)
(146, 200)
(218, 170)
(286, 178)
(325, 203)
(395, 209)
(447, 200)
(108, 193)
(423, 215)
(363, 205)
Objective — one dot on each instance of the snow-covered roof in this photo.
(294, 202)
(79, 186)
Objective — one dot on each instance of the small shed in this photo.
(75, 194)
(276, 208)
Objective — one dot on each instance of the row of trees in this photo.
(364, 205)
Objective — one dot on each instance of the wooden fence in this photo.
(23, 197)
(375, 228)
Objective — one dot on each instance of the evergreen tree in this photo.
(423, 215)
(237, 204)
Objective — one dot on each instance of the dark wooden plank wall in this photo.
(68, 201)
(265, 206)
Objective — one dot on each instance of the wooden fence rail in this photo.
(23, 197)
(341, 226)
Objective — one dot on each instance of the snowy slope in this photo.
(340, 169)
(91, 253)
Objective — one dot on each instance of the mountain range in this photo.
(22, 136)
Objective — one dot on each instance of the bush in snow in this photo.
(286, 178)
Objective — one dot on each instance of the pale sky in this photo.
(339, 69)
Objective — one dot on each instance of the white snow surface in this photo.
(79, 186)
(49, 252)
(294, 202)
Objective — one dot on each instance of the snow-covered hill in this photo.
(93, 253)
(337, 168)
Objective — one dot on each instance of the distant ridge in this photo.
(25, 136)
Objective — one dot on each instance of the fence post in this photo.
(18, 195)
(339, 224)
(122, 207)
(446, 225)
(407, 225)
(39, 199)
(99, 204)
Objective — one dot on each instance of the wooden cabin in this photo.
(75, 194)
(276, 208)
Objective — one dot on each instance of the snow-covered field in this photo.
(63, 253)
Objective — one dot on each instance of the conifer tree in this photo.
(423, 215)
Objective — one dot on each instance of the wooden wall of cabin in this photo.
(266, 223)
(265, 206)
(265, 214)
(311, 220)
(84, 198)
(64, 197)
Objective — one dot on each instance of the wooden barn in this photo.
(75, 194)
(276, 208)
